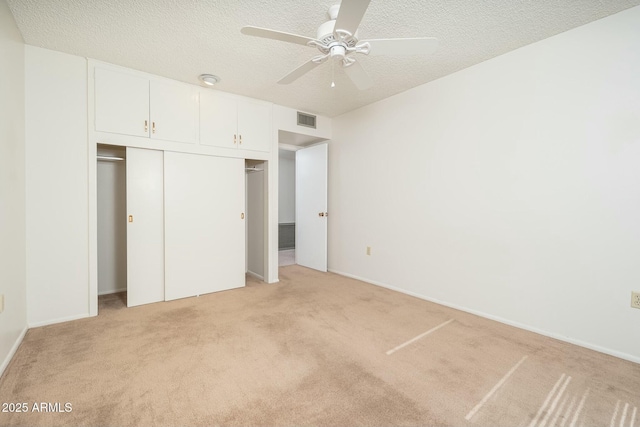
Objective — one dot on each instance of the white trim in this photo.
(112, 292)
(288, 147)
(256, 275)
(619, 354)
(59, 320)
(13, 350)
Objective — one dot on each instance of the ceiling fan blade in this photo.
(350, 15)
(300, 71)
(358, 75)
(414, 46)
(275, 35)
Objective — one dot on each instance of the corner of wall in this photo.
(13, 319)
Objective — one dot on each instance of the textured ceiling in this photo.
(181, 39)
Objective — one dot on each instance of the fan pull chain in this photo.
(333, 74)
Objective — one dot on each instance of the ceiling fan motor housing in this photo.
(326, 35)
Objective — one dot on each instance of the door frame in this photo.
(274, 224)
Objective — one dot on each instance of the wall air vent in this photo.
(306, 120)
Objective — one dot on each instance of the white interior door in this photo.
(145, 226)
(204, 224)
(311, 207)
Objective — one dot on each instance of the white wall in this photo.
(286, 119)
(13, 320)
(508, 189)
(286, 186)
(56, 186)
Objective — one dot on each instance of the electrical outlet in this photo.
(368, 250)
(635, 299)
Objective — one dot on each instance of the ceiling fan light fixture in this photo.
(338, 52)
(208, 79)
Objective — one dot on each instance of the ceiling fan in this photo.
(338, 39)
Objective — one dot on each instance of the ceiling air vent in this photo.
(306, 120)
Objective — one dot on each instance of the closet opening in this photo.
(111, 226)
(256, 221)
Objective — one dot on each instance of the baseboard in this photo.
(13, 350)
(569, 340)
(117, 291)
(256, 275)
(59, 320)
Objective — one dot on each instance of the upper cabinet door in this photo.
(254, 125)
(218, 120)
(121, 103)
(174, 112)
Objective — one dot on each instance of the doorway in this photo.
(302, 201)
(286, 207)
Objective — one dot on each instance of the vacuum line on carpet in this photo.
(546, 401)
(567, 414)
(559, 411)
(494, 389)
(555, 402)
(624, 414)
(615, 414)
(580, 406)
(393, 350)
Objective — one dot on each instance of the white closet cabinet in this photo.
(132, 105)
(234, 122)
(174, 112)
(145, 226)
(121, 103)
(204, 224)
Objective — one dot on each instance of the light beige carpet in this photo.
(315, 349)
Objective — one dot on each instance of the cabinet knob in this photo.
(321, 214)
(153, 127)
(130, 218)
(234, 139)
(146, 126)
(240, 139)
(242, 215)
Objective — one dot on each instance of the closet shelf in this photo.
(110, 158)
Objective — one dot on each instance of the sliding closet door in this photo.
(204, 224)
(145, 226)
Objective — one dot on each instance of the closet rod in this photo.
(109, 158)
(253, 169)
